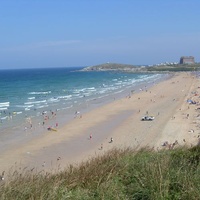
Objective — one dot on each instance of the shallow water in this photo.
(31, 100)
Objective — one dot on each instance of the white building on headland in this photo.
(187, 60)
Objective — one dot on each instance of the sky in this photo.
(67, 33)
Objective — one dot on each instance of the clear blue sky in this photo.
(63, 33)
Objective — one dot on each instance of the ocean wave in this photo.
(30, 98)
(77, 91)
(119, 83)
(67, 107)
(76, 95)
(18, 112)
(65, 97)
(24, 106)
(144, 76)
(5, 104)
(3, 108)
(53, 99)
(102, 91)
(80, 96)
(119, 91)
(87, 94)
(3, 118)
(91, 88)
(35, 102)
(48, 92)
(44, 106)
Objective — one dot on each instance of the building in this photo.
(187, 60)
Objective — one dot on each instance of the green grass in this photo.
(154, 68)
(118, 174)
(175, 68)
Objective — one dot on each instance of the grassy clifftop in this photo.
(119, 174)
(113, 67)
(133, 68)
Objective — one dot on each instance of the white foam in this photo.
(35, 102)
(76, 95)
(53, 99)
(48, 92)
(5, 108)
(65, 97)
(77, 91)
(4, 118)
(92, 88)
(18, 112)
(30, 98)
(24, 106)
(5, 104)
(67, 107)
(44, 106)
(87, 94)
(119, 83)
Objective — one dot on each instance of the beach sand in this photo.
(175, 124)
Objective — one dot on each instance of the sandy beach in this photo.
(175, 124)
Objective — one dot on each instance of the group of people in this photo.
(101, 148)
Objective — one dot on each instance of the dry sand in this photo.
(175, 120)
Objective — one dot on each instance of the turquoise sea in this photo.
(27, 96)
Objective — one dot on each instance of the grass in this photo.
(118, 174)
(175, 68)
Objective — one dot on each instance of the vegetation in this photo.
(110, 66)
(174, 68)
(154, 68)
(118, 174)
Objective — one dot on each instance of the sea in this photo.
(31, 100)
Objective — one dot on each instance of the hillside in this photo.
(114, 67)
(119, 174)
(134, 68)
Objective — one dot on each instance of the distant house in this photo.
(187, 60)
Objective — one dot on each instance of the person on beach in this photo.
(2, 176)
(44, 163)
(77, 113)
(111, 140)
(90, 136)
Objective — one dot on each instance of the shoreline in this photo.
(23, 133)
(119, 119)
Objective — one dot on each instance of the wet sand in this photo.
(175, 124)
